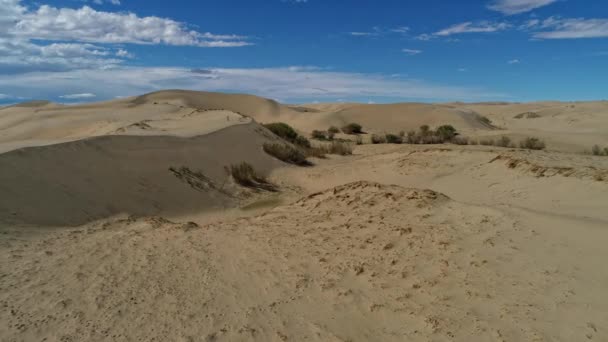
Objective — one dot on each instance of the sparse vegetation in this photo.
(504, 141)
(446, 132)
(378, 139)
(302, 142)
(352, 128)
(527, 115)
(484, 119)
(531, 143)
(322, 135)
(286, 153)
(334, 130)
(283, 130)
(596, 150)
(245, 175)
(393, 139)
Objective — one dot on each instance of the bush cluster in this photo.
(286, 153)
(245, 175)
(596, 150)
(352, 128)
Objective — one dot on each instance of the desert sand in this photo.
(119, 222)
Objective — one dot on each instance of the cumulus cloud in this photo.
(292, 84)
(511, 7)
(88, 25)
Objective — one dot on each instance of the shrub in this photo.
(286, 153)
(503, 142)
(393, 139)
(340, 148)
(425, 129)
(486, 142)
(378, 139)
(412, 138)
(245, 175)
(320, 135)
(336, 147)
(333, 129)
(460, 140)
(484, 119)
(282, 130)
(358, 140)
(446, 132)
(352, 128)
(302, 142)
(532, 144)
(527, 115)
(606, 151)
(596, 150)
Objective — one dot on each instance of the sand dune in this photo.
(118, 222)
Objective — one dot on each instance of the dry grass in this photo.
(286, 153)
(245, 175)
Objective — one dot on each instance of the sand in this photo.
(100, 241)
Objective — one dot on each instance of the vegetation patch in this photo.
(352, 128)
(245, 175)
(286, 153)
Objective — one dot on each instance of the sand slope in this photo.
(76, 182)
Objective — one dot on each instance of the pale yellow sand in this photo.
(394, 243)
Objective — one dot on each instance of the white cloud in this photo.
(77, 96)
(570, 28)
(88, 25)
(470, 27)
(411, 52)
(510, 7)
(513, 61)
(113, 2)
(124, 54)
(288, 83)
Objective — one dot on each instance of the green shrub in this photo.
(286, 153)
(484, 119)
(352, 128)
(302, 142)
(446, 132)
(245, 175)
(393, 139)
(334, 130)
(425, 129)
(282, 130)
(532, 144)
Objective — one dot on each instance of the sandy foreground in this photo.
(394, 243)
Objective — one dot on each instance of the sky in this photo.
(300, 51)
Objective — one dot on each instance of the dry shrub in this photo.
(245, 175)
(596, 150)
(461, 141)
(283, 130)
(378, 139)
(336, 147)
(286, 153)
(532, 143)
(393, 139)
(352, 128)
(333, 129)
(503, 142)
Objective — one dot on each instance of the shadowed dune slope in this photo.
(73, 183)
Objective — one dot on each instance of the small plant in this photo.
(460, 141)
(334, 130)
(340, 148)
(503, 142)
(532, 144)
(527, 115)
(606, 151)
(446, 132)
(352, 128)
(302, 142)
(378, 139)
(358, 140)
(319, 135)
(245, 175)
(596, 150)
(283, 130)
(393, 139)
(425, 130)
(286, 153)
(484, 119)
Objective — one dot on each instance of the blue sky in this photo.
(303, 51)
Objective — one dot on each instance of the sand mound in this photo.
(76, 182)
(361, 261)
